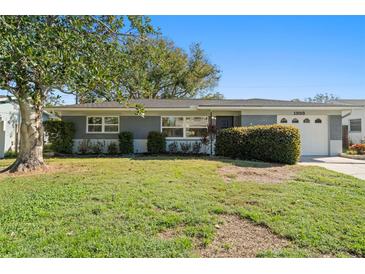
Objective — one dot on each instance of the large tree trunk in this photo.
(30, 155)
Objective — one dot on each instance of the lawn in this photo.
(175, 207)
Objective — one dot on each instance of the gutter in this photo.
(347, 114)
(238, 108)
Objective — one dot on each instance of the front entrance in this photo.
(224, 122)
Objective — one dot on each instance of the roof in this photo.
(355, 102)
(190, 103)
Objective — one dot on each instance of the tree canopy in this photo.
(322, 98)
(65, 53)
(158, 69)
(42, 55)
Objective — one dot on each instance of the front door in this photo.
(224, 122)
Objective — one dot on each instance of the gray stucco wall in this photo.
(335, 127)
(254, 120)
(140, 127)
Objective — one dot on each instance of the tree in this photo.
(213, 95)
(160, 70)
(42, 55)
(322, 98)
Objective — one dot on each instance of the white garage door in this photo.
(313, 132)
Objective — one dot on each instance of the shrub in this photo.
(85, 146)
(185, 147)
(10, 154)
(113, 148)
(47, 148)
(97, 148)
(60, 135)
(358, 148)
(156, 142)
(172, 147)
(126, 142)
(276, 143)
(196, 147)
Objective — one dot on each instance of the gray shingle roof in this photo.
(354, 102)
(186, 103)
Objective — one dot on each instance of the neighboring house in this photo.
(187, 120)
(354, 120)
(10, 123)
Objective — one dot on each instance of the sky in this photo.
(276, 57)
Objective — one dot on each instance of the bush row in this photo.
(61, 134)
(125, 146)
(274, 143)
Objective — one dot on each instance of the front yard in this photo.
(180, 207)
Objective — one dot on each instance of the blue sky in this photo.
(280, 57)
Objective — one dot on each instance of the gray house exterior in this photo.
(187, 120)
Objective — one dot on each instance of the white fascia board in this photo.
(200, 108)
(278, 108)
(118, 109)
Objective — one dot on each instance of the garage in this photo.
(313, 132)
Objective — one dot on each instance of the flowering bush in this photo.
(357, 148)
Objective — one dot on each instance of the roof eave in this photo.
(117, 109)
(238, 108)
(285, 108)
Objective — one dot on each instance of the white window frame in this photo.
(102, 124)
(184, 126)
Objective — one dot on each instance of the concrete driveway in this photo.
(351, 167)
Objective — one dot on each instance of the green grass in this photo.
(117, 208)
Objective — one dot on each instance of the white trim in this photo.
(102, 124)
(184, 126)
(208, 108)
(275, 108)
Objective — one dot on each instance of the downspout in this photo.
(210, 132)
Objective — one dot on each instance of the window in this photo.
(283, 121)
(184, 127)
(173, 126)
(102, 124)
(196, 126)
(355, 125)
(306, 121)
(295, 121)
(318, 121)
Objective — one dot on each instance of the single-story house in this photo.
(10, 124)
(354, 120)
(187, 120)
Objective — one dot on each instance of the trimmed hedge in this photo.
(276, 143)
(126, 142)
(60, 135)
(156, 142)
